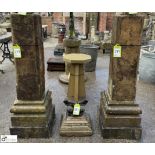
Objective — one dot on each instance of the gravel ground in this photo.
(97, 82)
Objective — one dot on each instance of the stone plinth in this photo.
(79, 125)
(119, 114)
(33, 104)
(118, 119)
(71, 46)
(33, 119)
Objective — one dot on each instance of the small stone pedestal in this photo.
(32, 112)
(76, 125)
(119, 115)
(72, 46)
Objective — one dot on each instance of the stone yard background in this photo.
(97, 82)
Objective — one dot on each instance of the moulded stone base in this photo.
(78, 126)
(118, 121)
(31, 123)
(120, 132)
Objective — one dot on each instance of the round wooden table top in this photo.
(77, 58)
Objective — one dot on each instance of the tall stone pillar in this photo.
(119, 114)
(32, 112)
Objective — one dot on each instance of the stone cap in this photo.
(77, 58)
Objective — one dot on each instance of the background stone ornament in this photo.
(71, 26)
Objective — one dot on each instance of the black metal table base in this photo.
(1, 71)
(6, 52)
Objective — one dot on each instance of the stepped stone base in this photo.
(33, 119)
(119, 121)
(78, 126)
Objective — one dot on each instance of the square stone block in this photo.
(127, 30)
(26, 30)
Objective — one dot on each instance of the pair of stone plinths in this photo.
(33, 111)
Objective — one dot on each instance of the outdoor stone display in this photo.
(32, 112)
(119, 114)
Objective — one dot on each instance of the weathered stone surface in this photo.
(121, 133)
(72, 45)
(126, 125)
(75, 126)
(126, 116)
(32, 132)
(26, 30)
(127, 32)
(29, 121)
(119, 116)
(33, 112)
(30, 72)
(28, 88)
(32, 107)
(118, 107)
(123, 74)
(127, 29)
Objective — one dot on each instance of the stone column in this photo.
(32, 111)
(119, 114)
